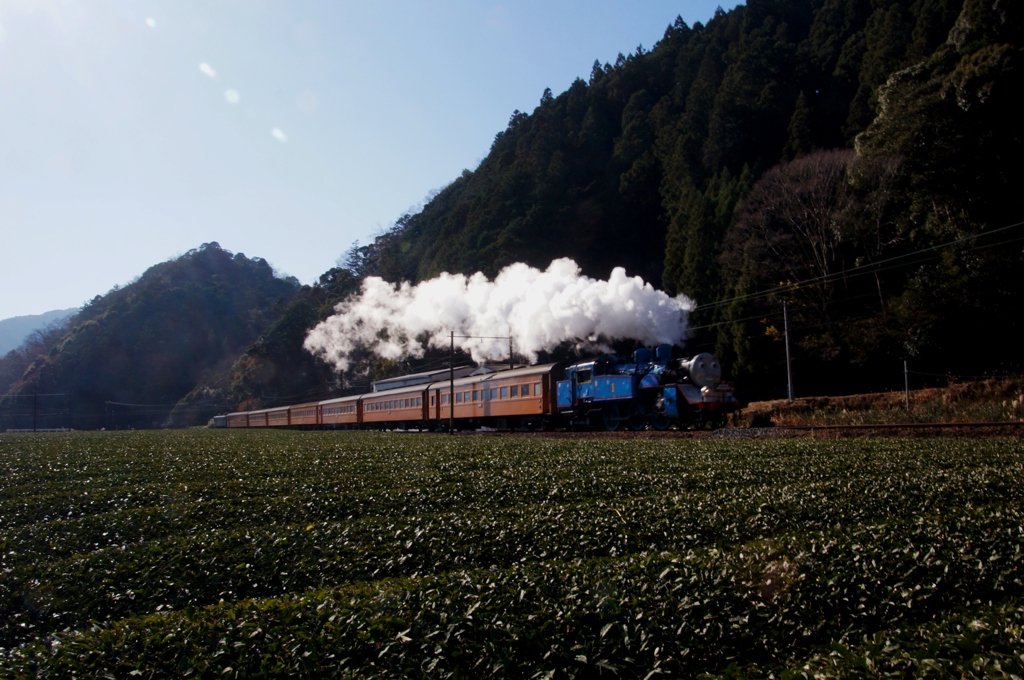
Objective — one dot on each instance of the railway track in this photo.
(974, 429)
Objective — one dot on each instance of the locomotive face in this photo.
(705, 370)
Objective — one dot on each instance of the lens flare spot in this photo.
(279, 135)
(231, 96)
(151, 22)
(207, 70)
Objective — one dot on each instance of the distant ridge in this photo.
(144, 346)
(14, 330)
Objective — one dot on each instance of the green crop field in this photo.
(266, 554)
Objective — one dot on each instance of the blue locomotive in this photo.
(651, 388)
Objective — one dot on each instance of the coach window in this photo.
(514, 391)
(504, 393)
(476, 395)
(458, 397)
(536, 389)
(494, 394)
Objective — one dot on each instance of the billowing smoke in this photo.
(541, 309)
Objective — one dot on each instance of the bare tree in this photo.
(794, 213)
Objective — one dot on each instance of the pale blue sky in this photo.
(118, 149)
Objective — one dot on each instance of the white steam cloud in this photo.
(541, 309)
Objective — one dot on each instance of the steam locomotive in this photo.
(650, 389)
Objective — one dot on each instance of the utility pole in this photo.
(451, 388)
(906, 384)
(789, 369)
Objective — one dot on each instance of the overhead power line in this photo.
(867, 268)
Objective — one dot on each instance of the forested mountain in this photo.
(275, 370)
(787, 150)
(613, 169)
(148, 344)
(15, 330)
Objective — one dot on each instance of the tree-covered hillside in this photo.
(787, 150)
(611, 170)
(148, 344)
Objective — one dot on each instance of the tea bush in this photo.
(264, 554)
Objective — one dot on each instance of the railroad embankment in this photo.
(992, 400)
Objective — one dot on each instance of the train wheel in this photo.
(610, 417)
(660, 421)
(637, 419)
